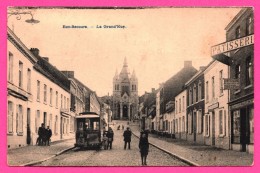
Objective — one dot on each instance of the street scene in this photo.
(130, 87)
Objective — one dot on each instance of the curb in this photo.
(191, 163)
(43, 160)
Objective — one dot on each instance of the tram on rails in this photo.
(88, 133)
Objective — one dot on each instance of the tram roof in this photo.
(87, 115)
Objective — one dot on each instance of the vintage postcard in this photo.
(130, 86)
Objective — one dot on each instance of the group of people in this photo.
(108, 137)
(143, 143)
(44, 135)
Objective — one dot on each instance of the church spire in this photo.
(133, 76)
(124, 74)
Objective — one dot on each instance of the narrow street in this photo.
(115, 157)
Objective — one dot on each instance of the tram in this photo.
(88, 133)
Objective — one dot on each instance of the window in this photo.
(238, 32)
(237, 71)
(190, 123)
(199, 122)
(194, 94)
(68, 103)
(179, 124)
(10, 67)
(19, 120)
(56, 125)
(190, 96)
(207, 91)
(207, 121)
(20, 74)
(249, 71)
(213, 87)
(10, 117)
(176, 126)
(199, 91)
(249, 25)
(236, 126)
(221, 122)
(221, 84)
(65, 102)
(176, 109)
(251, 125)
(61, 98)
(115, 87)
(37, 121)
(179, 104)
(45, 93)
(38, 90)
(28, 80)
(183, 124)
(51, 96)
(57, 97)
(50, 121)
(183, 103)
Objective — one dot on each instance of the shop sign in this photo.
(231, 84)
(213, 106)
(232, 45)
(242, 104)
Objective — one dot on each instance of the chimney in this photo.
(35, 51)
(46, 59)
(69, 74)
(153, 90)
(187, 64)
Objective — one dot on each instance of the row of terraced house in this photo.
(196, 105)
(37, 92)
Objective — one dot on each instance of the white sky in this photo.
(156, 41)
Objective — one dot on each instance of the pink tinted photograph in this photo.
(143, 87)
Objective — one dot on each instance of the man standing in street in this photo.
(110, 135)
(41, 134)
(127, 137)
(48, 135)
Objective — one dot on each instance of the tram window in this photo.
(80, 126)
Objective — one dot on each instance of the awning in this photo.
(223, 59)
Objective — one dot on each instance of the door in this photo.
(213, 128)
(28, 119)
(125, 111)
(45, 119)
(194, 125)
(61, 127)
(244, 129)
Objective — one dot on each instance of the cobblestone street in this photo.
(115, 157)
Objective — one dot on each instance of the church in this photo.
(125, 94)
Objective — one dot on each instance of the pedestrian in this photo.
(40, 135)
(127, 137)
(123, 127)
(48, 135)
(110, 135)
(105, 140)
(144, 147)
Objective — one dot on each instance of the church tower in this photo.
(125, 94)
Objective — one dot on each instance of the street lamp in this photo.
(18, 16)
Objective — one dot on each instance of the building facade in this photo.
(195, 107)
(125, 94)
(242, 68)
(216, 118)
(180, 115)
(20, 94)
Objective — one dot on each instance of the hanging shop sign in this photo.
(231, 84)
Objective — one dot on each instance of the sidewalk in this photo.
(30, 155)
(199, 155)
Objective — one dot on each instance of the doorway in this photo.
(194, 125)
(125, 111)
(213, 128)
